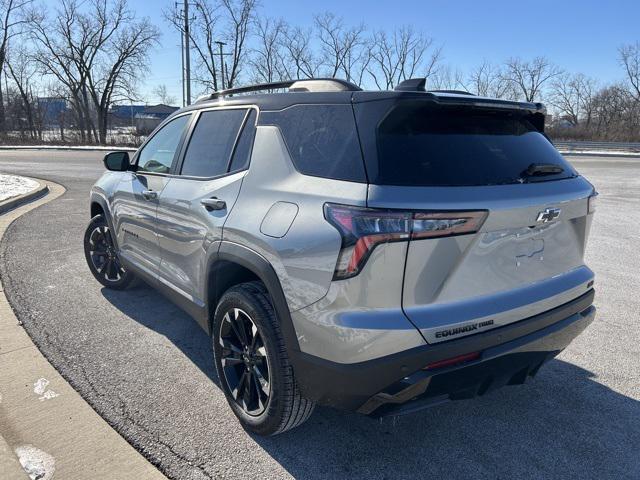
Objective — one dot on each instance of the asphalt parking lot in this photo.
(146, 367)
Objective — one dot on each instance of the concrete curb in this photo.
(42, 418)
(15, 202)
(67, 147)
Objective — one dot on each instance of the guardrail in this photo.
(597, 146)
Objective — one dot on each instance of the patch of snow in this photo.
(12, 186)
(39, 465)
(67, 147)
(608, 153)
(40, 388)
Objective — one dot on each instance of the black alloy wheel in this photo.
(102, 256)
(244, 362)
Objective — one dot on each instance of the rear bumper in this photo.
(398, 384)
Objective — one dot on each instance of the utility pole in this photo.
(184, 97)
(187, 60)
(220, 45)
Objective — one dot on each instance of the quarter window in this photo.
(157, 155)
(322, 140)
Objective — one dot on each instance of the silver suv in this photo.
(372, 251)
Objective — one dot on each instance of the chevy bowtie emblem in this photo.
(548, 214)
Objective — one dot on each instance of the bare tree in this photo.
(240, 18)
(615, 114)
(344, 51)
(303, 62)
(571, 95)
(11, 21)
(20, 68)
(268, 60)
(97, 54)
(227, 21)
(202, 36)
(163, 96)
(530, 77)
(487, 80)
(447, 78)
(403, 54)
(56, 49)
(630, 60)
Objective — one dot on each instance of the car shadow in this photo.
(150, 309)
(562, 424)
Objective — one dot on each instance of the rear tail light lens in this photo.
(593, 201)
(362, 229)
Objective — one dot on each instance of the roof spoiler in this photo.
(537, 111)
(420, 85)
(300, 85)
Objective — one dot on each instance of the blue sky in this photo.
(581, 36)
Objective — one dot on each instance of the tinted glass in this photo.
(426, 146)
(211, 144)
(157, 155)
(242, 153)
(321, 139)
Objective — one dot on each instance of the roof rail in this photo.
(457, 92)
(301, 85)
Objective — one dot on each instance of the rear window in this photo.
(322, 140)
(426, 146)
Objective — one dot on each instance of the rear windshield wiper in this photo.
(542, 169)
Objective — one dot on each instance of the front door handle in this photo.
(149, 194)
(213, 204)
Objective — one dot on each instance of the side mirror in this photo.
(117, 161)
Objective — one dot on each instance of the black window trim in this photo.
(191, 129)
(176, 155)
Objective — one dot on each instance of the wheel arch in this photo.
(234, 264)
(99, 205)
(96, 208)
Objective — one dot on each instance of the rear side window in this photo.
(427, 146)
(211, 144)
(322, 140)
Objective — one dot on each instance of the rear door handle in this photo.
(213, 204)
(149, 194)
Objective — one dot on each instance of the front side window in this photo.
(157, 155)
(211, 144)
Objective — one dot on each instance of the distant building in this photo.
(126, 112)
(52, 109)
(151, 117)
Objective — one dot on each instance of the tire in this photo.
(102, 256)
(262, 358)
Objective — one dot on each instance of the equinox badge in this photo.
(548, 214)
